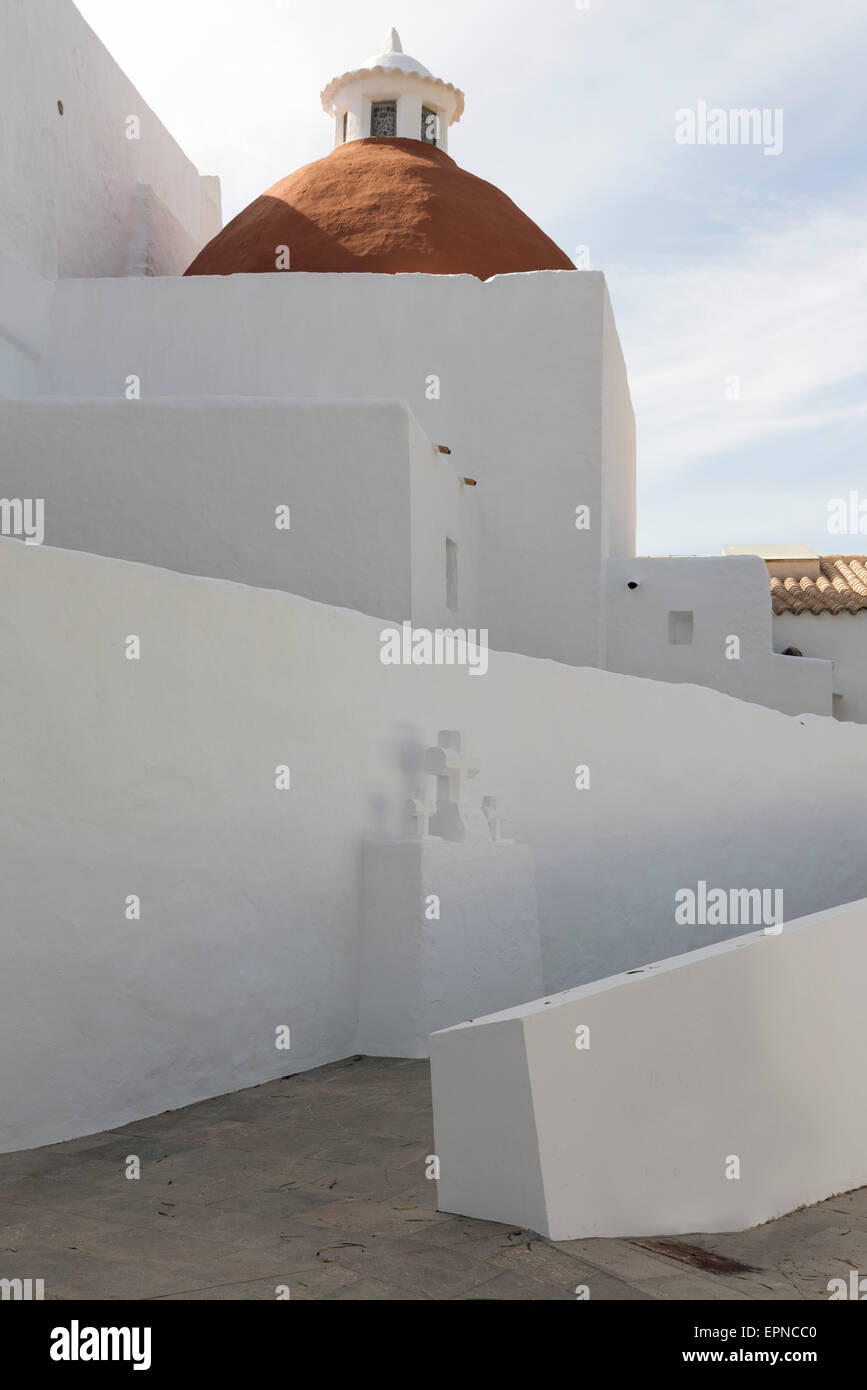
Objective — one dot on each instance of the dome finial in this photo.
(393, 43)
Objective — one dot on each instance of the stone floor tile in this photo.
(509, 1286)
(689, 1287)
(437, 1272)
(370, 1217)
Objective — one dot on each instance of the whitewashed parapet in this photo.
(709, 1092)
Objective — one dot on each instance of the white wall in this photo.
(619, 517)
(156, 778)
(752, 1050)
(838, 637)
(443, 508)
(479, 951)
(69, 182)
(618, 504)
(728, 597)
(194, 485)
(524, 380)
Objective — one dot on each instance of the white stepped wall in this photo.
(156, 778)
(195, 485)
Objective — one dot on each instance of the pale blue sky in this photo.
(721, 261)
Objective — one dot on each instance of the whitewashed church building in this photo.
(380, 399)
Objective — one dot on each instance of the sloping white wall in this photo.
(70, 180)
(528, 371)
(712, 1091)
(156, 778)
(728, 598)
(195, 485)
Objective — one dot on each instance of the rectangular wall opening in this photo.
(680, 629)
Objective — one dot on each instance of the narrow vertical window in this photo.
(451, 576)
(430, 124)
(345, 125)
(383, 119)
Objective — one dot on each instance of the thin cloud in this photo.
(744, 345)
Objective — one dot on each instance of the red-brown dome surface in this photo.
(386, 206)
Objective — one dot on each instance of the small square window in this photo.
(430, 126)
(383, 119)
(680, 629)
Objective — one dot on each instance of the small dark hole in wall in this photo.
(60, 107)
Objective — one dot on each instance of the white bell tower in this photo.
(392, 95)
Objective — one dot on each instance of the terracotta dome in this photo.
(385, 206)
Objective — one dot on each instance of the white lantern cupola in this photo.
(392, 96)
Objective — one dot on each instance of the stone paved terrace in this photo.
(317, 1181)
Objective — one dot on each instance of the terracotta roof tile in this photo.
(840, 588)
